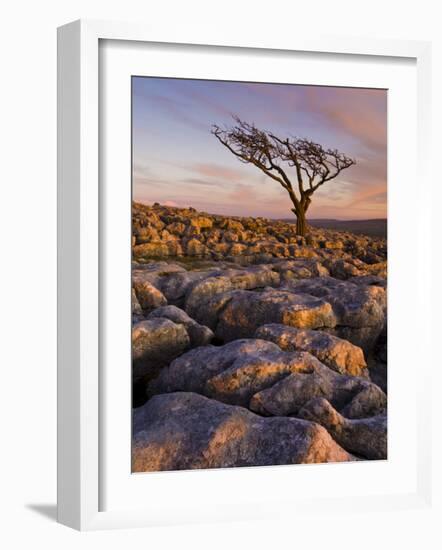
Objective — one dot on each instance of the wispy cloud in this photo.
(218, 171)
(200, 181)
(374, 195)
(179, 111)
(176, 158)
(359, 113)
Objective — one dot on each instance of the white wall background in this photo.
(28, 254)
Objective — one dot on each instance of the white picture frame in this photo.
(80, 262)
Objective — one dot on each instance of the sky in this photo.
(176, 160)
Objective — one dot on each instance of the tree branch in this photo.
(313, 164)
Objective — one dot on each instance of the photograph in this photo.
(259, 274)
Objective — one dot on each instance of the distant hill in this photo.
(373, 228)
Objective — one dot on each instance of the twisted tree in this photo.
(312, 165)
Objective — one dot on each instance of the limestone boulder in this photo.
(192, 370)
(202, 222)
(250, 278)
(199, 335)
(148, 296)
(137, 311)
(176, 285)
(252, 373)
(194, 247)
(343, 269)
(367, 437)
(354, 305)
(155, 343)
(332, 245)
(151, 249)
(354, 397)
(369, 280)
(338, 354)
(378, 269)
(176, 228)
(300, 269)
(245, 312)
(238, 249)
(360, 310)
(152, 271)
(147, 234)
(258, 374)
(181, 431)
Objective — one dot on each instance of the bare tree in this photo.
(312, 164)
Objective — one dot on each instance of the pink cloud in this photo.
(217, 171)
(361, 114)
(243, 194)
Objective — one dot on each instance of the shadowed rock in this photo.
(149, 297)
(354, 305)
(378, 269)
(353, 396)
(340, 355)
(252, 373)
(205, 290)
(300, 269)
(192, 370)
(360, 310)
(154, 272)
(258, 374)
(207, 312)
(137, 312)
(182, 431)
(343, 269)
(368, 280)
(176, 285)
(199, 335)
(155, 343)
(366, 437)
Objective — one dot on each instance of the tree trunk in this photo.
(301, 223)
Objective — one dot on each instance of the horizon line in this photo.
(266, 217)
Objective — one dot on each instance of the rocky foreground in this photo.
(253, 346)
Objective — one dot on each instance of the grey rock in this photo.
(360, 310)
(252, 373)
(343, 269)
(176, 285)
(182, 431)
(251, 278)
(368, 280)
(148, 296)
(354, 305)
(338, 354)
(258, 374)
(367, 437)
(247, 311)
(355, 397)
(153, 271)
(199, 335)
(137, 312)
(193, 369)
(155, 343)
(300, 269)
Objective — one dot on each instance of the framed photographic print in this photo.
(224, 239)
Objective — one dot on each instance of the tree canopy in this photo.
(312, 164)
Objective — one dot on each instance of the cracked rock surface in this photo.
(254, 346)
